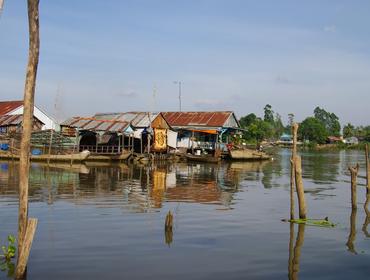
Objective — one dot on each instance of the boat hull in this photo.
(203, 158)
(247, 154)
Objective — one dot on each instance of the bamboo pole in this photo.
(367, 169)
(354, 172)
(292, 172)
(28, 105)
(300, 188)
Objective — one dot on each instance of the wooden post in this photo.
(28, 105)
(367, 218)
(50, 142)
(148, 143)
(292, 171)
(299, 187)
(354, 172)
(25, 251)
(141, 143)
(192, 142)
(169, 221)
(74, 147)
(367, 169)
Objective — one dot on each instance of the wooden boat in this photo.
(108, 158)
(248, 154)
(203, 158)
(76, 157)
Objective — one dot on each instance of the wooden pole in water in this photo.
(299, 187)
(367, 169)
(169, 221)
(25, 252)
(50, 142)
(354, 172)
(292, 172)
(28, 105)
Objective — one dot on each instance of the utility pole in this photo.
(179, 83)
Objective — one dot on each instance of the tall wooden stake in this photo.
(50, 144)
(292, 172)
(28, 104)
(367, 169)
(354, 172)
(300, 188)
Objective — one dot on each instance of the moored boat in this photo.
(248, 154)
(203, 158)
(74, 157)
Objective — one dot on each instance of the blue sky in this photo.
(104, 56)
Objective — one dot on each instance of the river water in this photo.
(107, 222)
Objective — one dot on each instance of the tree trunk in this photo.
(28, 105)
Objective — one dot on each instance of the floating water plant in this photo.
(9, 251)
(312, 222)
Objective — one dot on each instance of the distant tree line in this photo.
(315, 128)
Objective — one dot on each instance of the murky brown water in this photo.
(107, 222)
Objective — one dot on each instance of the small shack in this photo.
(99, 136)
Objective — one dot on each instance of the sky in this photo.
(239, 55)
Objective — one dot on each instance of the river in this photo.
(107, 222)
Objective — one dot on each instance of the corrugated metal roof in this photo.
(208, 119)
(6, 120)
(9, 106)
(137, 119)
(96, 124)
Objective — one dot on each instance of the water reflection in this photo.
(352, 234)
(295, 251)
(321, 167)
(367, 217)
(139, 188)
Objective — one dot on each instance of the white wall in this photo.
(49, 122)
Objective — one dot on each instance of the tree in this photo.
(268, 114)
(329, 120)
(278, 126)
(247, 120)
(348, 130)
(312, 129)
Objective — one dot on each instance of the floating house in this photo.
(203, 130)
(15, 108)
(140, 132)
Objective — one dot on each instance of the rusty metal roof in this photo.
(207, 119)
(9, 106)
(95, 124)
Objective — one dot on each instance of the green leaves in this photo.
(9, 251)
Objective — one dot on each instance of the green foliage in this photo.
(268, 114)
(313, 130)
(329, 120)
(10, 249)
(348, 130)
(247, 120)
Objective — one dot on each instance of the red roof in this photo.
(9, 106)
(215, 119)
